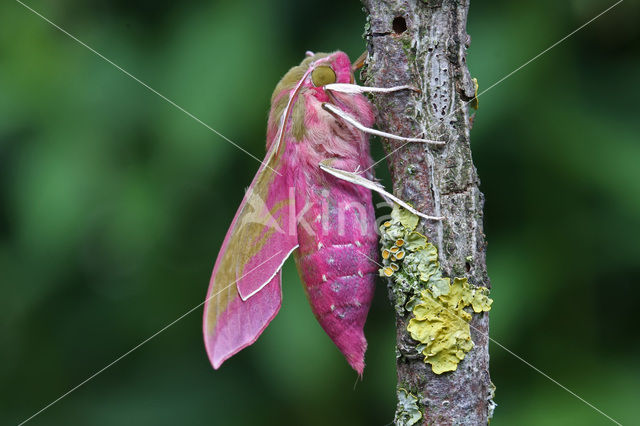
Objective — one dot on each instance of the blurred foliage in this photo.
(113, 205)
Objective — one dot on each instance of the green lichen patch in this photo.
(407, 412)
(416, 258)
(440, 322)
(405, 217)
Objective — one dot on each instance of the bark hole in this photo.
(399, 25)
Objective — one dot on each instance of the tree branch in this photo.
(423, 43)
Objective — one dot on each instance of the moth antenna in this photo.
(359, 63)
(355, 123)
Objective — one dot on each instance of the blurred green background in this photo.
(113, 205)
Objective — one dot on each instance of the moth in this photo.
(311, 197)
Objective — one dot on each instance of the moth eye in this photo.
(323, 75)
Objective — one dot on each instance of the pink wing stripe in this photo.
(241, 323)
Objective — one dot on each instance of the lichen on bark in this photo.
(407, 412)
(439, 322)
(423, 43)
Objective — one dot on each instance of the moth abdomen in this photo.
(336, 262)
(339, 282)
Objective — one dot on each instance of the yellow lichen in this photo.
(440, 322)
(442, 325)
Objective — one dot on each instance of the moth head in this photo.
(314, 72)
(328, 69)
(339, 63)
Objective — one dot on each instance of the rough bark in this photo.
(423, 43)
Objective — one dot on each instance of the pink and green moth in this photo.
(311, 197)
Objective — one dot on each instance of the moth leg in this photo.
(355, 123)
(354, 88)
(358, 179)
